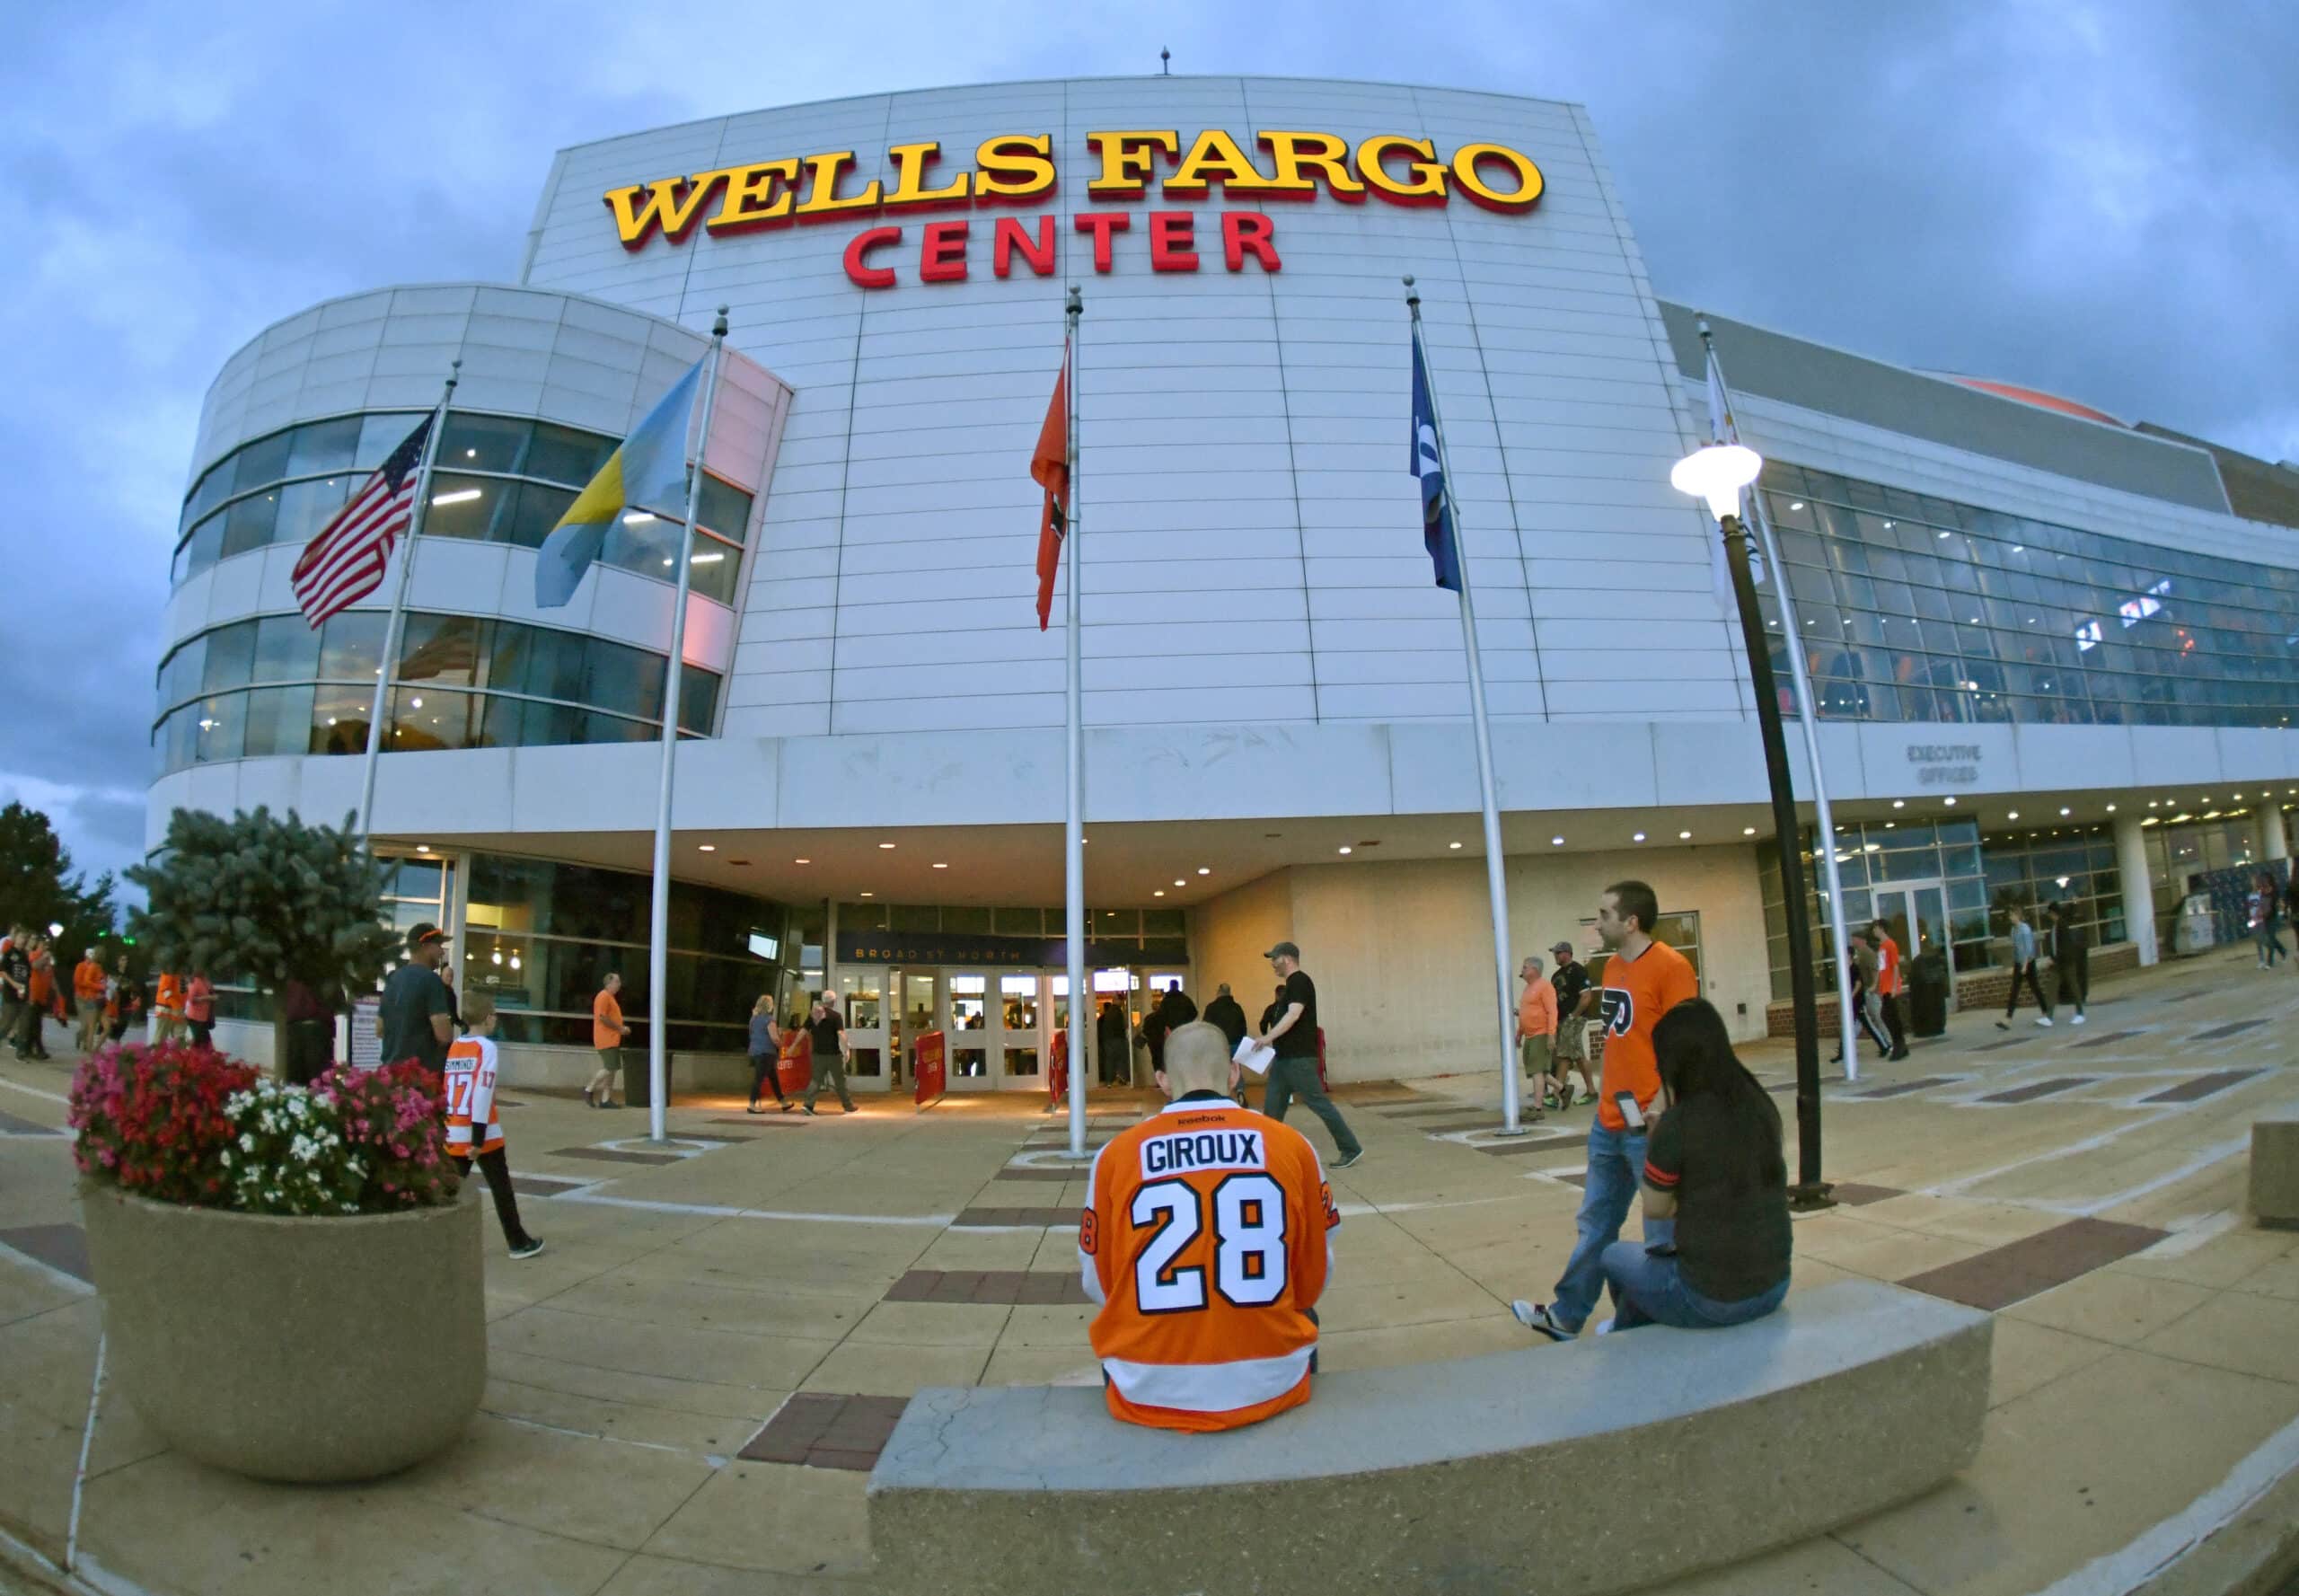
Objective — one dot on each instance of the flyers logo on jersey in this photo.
(1616, 1010)
(1180, 1153)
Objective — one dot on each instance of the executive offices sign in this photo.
(1021, 170)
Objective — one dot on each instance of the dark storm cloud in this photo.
(2099, 200)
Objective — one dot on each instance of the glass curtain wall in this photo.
(1914, 608)
(1137, 926)
(2073, 865)
(1873, 854)
(499, 479)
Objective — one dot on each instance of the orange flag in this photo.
(1050, 468)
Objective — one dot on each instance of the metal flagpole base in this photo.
(1519, 1130)
(1809, 1198)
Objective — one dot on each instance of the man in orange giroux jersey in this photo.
(1205, 1238)
(1642, 980)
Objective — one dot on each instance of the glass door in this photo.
(1110, 1037)
(917, 1011)
(1916, 914)
(1022, 1042)
(862, 994)
(970, 1024)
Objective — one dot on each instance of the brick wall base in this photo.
(1975, 988)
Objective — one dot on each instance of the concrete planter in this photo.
(301, 1350)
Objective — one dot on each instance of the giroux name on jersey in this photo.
(1178, 1152)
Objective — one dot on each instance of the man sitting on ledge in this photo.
(1205, 1238)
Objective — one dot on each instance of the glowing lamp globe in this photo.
(1717, 474)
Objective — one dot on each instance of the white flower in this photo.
(227, 1160)
(247, 1141)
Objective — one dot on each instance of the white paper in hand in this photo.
(1254, 1055)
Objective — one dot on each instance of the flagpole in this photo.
(1495, 865)
(1799, 674)
(419, 514)
(658, 1065)
(1074, 831)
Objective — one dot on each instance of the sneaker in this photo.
(1604, 1327)
(1895, 1056)
(527, 1248)
(807, 1109)
(1534, 1317)
(2044, 1020)
(1355, 1157)
(2003, 1025)
(2078, 1019)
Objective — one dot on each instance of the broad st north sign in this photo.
(1019, 170)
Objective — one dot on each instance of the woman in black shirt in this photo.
(1716, 1230)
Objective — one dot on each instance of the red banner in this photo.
(932, 1068)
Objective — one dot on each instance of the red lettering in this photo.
(1171, 240)
(1010, 237)
(1101, 223)
(858, 249)
(1247, 233)
(942, 258)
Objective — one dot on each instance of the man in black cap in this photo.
(417, 1020)
(1571, 1049)
(1294, 1074)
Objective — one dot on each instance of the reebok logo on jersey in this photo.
(1201, 1150)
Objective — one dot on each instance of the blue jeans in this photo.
(1648, 1290)
(1616, 1167)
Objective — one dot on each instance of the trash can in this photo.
(1927, 995)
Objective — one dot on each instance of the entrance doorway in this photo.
(1916, 914)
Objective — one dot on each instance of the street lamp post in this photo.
(1717, 474)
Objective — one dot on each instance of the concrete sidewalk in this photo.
(687, 1389)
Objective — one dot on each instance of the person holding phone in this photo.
(1717, 1228)
(1642, 980)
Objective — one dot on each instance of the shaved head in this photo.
(1197, 1059)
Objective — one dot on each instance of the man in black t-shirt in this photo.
(1571, 981)
(17, 1015)
(417, 1018)
(1295, 1038)
(828, 1030)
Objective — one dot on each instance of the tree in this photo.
(266, 899)
(38, 889)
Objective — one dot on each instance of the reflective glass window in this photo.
(718, 567)
(483, 443)
(205, 546)
(286, 650)
(532, 513)
(563, 455)
(214, 485)
(185, 670)
(262, 461)
(278, 721)
(248, 524)
(428, 719)
(623, 678)
(220, 726)
(323, 446)
(306, 506)
(463, 506)
(380, 433)
(231, 657)
(723, 508)
(697, 699)
(340, 712)
(352, 647)
(442, 648)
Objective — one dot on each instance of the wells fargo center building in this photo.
(2055, 653)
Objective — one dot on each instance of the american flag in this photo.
(345, 560)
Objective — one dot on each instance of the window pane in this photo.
(181, 734)
(286, 650)
(379, 434)
(323, 446)
(555, 666)
(213, 486)
(278, 721)
(206, 544)
(462, 506)
(247, 524)
(562, 455)
(641, 542)
(220, 726)
(263, 461)
(597, 727)
(351, 648)
(716, 568)
(533, 510)
(339, 714)
(441, 648)
(231, 655)
(305, 506)
(624, 679)
(507, 656)
(483, 443)
(424, 719)
(723, 508)
(186, 668)
(697, 699)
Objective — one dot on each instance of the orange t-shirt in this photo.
(607, 1021)
(1888, 966)
(1635, 993)
(1537, 1009)
(169, 1000)
(1203, 1238)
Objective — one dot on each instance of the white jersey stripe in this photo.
(1208, 1388)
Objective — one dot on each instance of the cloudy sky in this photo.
(2098, 199)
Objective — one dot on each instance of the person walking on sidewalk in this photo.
(607, 1032)
(475, 1122)
(2023, 968)
(1864, 1002)
(200, 1009)
(1226, 1013)
(88, 1000)
(1572, 982)
(829, 1033)
(1294, 1073)
(1535, 1028)
(2267, 920)
(766, 1053)
(167, 1008)
(1891, 987)
(2071, 960)
(1643, 980)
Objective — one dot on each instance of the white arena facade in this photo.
(2056, 653)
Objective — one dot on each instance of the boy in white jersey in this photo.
(475, 1124)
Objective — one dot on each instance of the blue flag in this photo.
(1436, 510)
(647, 471)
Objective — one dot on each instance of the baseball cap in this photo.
(423, 932)
(1283, 950)
(1561, 946)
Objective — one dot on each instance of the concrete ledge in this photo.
(1674, 1451)
(2275, 1172)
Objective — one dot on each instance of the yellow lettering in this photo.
(912, 163)
(1319, 152)
(1522, 196)
(753, 199)
(1216, 155)
(1125, 162)
(665, 206)
(1424, 183)
(1015, 166)
(823, 201)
